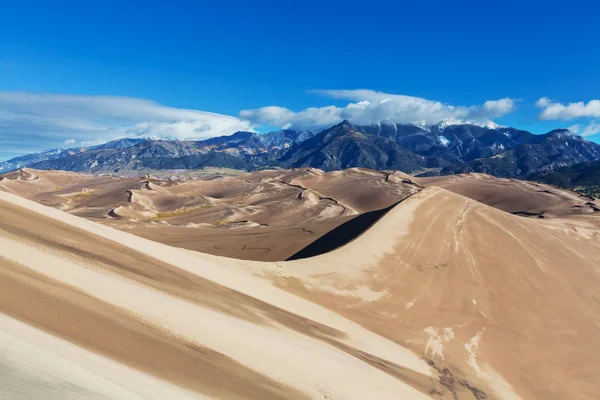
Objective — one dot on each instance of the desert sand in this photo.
(266, 215)
(442, 297)
(287, 210)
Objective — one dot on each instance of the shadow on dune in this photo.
(343, 234)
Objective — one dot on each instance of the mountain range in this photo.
(440, 149)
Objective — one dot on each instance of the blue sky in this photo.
(172, 63)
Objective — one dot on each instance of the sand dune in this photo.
(362, 189)
(499, 300)
(515, 196)
(132, 301)
(272, 214)
(444, 297)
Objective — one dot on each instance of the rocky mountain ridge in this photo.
(440, 149)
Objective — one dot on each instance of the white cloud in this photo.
(575, 128)
(592, 128)
(46, 120)
(90, 143)
(542, 102)
(552, 110)
(498, 108)
(371, 107)
(69, 141)
(282, 117)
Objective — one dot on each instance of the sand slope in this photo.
(114, 295)
(444, 298)
(505, 303)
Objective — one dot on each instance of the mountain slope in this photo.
(446, 144)
(30, 159)
(345, 146)
(542, 153)
(285, 138)
(242, 150)
(56, 154)
(584, 177)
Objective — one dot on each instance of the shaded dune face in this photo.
(439, 297)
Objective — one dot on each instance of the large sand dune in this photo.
(128, 311)
(444, 297)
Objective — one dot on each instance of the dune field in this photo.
(266, 215)
(290, 209)
(469, 287)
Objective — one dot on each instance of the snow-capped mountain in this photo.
(444, 148)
